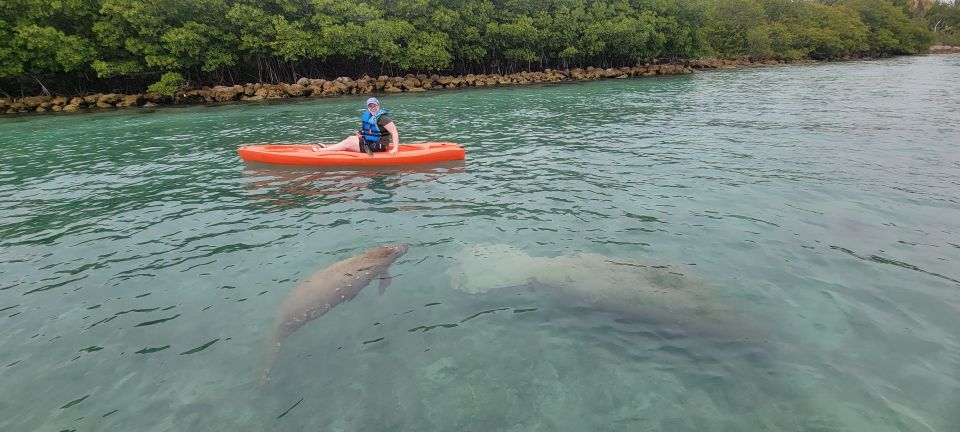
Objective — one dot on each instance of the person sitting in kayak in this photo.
(375, 125)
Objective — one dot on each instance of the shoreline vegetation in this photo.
(306, 87)
(68, 55)
(316, 88)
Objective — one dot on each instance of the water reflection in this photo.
(280, 186)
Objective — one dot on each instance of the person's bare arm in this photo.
(394, 137)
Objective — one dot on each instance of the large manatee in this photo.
(325, 289)
(653, 292)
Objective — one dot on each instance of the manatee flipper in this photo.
(270, 355)
(384, 281)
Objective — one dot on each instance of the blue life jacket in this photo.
(368, 126)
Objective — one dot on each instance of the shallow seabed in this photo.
(804, 221)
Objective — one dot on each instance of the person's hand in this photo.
(393, 150)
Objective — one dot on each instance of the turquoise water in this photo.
(812, 211)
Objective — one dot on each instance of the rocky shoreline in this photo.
(306, 87)
(944, 49)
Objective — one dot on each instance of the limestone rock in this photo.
(156, 98)
(130, 101)
(333, 88)
(206, 94)
(296, 90)
(34, 101)
(314, 90)
(110, 98)
(194, 96)
(16, 107)
(944, 49)
(91, 99)
(409, 83)
(107, 100)
(226, 94)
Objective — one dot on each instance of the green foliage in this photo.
(732, 23)
(10, 64)
(944, 20)
(830, 29)
(41, 38)
(279, 39)
(46, 50)
(194, 44)
(169, 84)
(295, 42)
(830, 32)
(427, 52)
(890, 31)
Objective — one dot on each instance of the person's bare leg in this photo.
(351, 143)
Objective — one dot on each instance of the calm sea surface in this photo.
(773, 248)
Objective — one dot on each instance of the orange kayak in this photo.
(303, 154)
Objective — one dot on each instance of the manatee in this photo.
(664, 294)
(325, 289)
(590, 277)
